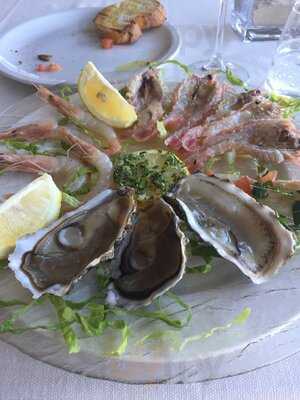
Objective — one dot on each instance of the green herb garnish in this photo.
(151, 173)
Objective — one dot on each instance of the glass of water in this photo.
(284, 75)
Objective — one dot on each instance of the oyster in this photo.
(237, 226)
(50, 260)
(151, 258)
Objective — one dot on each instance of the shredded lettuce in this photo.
(161, 315)
(233, 79)
(124, 329)
(92, 318)
(179, 64)
(290, 105)
(65, 92)
(66, 317)
(172, 337)
(133, 65)
(210, 164)
(95, 322)
(83, 177)
(178, 343)
(70, 200)
(238, 320)
(9, 324)
(200, 269)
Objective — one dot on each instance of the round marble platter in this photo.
(270, 334)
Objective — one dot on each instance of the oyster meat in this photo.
(52, 259)
(151, 258)
(242, 231)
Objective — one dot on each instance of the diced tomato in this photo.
(41, 68)
(244, 183)
(271, 176)
(106, 43)
(52, 67)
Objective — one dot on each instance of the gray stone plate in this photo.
(270, 334)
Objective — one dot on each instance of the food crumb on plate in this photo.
(52, 67)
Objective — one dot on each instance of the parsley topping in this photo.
(151, 173)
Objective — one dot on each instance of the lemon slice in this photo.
(27, 211)
(103, 100)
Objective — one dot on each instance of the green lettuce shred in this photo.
(290, 105)
(179, 64)
(66, 317)
(238, 320)
(70, 200)
(65, 92)
(87, 174)
(124, 329)
(132, 66)
(161, 315)
(200, 269)
(233, 79)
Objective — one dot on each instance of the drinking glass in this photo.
(216, 62)
(284, 75)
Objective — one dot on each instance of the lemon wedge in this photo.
(103, 100)
(27, 211)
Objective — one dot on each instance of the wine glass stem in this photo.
(216, 61)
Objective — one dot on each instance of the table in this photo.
(22, 378)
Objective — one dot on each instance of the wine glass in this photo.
(216, 62)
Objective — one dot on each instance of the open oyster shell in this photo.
(151, 258)
(52, 259)
(236, 225)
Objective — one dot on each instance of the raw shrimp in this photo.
(81, 150)
(97, 129)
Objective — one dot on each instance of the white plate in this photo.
(70, 37)
(271, 333)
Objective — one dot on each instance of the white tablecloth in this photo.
(22, 378)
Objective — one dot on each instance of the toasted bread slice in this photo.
(124, 22)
